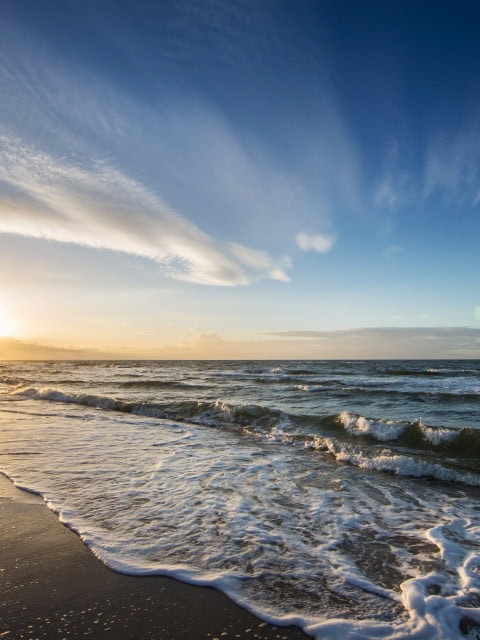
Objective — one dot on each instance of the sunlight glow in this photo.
(6, 325)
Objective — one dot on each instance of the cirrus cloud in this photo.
(99, 206)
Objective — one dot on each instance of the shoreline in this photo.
(54, 587)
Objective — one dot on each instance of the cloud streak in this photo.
(387, 342)
(99, 206)
(222, 177)
(450, 169)
(452, 166)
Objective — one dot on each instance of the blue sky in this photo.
(210, 178)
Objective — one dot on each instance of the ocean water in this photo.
(342, 497)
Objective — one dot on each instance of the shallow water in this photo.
(340, 496)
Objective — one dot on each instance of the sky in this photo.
(239, 179)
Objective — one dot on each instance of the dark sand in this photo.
(52, 586)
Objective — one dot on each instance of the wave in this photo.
(12, 381)
(386, 460)
(419, 439)
(343, 387)
(302, 372)
(465, 441)
(198, 412)
(159, 384)
(399, 464)
(318, 385)
(415, 434)
(432, 372)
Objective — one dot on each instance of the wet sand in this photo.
(52, 586)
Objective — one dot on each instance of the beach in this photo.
(53, 587)
(333, 499)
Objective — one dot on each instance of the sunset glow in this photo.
(216, 179)
(6, 324)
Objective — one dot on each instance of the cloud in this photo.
(222, 175)
(315, 242)
(413, 333)
(396, 186)
(452, 166)
(186, 152)
(386, 342)
(14, 349)
(363, 344)
(99, 206)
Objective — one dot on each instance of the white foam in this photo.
(401, 465)
(378, 429)
(438, 435)
(289, 534)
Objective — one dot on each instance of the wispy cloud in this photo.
(396, 185)
(388, 342)
(211, 175)
(365, 343)
(412, 333)
(452, 166)
(222, 176)
(101, 207)
(315, 242)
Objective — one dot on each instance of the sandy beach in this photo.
(53, 587)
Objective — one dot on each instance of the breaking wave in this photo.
(415, 440)
(416, 435)
(198, 412)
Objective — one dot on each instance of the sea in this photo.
(339, 496)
